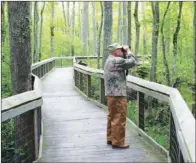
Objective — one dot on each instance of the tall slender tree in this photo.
(73, 28)
(175, 43)
(64, 16)
(35, 28)
(119, 35)
(68, 17)
(99, 37)
(84, 28)
(129, 23)
(137, 26)
(167, 73)
(94, 29)
(40, 35)
(125, 27)
(52, 31)
(107, 29)
(155, 34)
(2, 21)
(144, 29)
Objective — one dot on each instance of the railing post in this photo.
(61, 62)
(102, 92)
(36, 134)
(42, 70)
(79, 78)
(140, 105)
(81, 81)
(89, 86)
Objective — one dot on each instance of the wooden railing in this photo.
(182, 122)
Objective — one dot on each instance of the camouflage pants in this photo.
(116, 119)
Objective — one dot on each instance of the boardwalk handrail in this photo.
(184, 121)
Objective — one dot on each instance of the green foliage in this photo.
(7, 140)
(132, 111)
(95, 87)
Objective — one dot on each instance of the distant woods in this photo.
(164, 31)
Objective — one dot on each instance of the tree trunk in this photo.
(65, 20)
(107, 29)
(194, 61)
(20, 46)
(67, 17)
(125, 29)
(155, 33)
(175, 43)
(99, 38)
(79, 19)
(40, 36)
(137, 25)
(167, 74)
(73, 28)
(2, 22)
(94, 29)
(19, 19)
(129, 23)
(84, 29)
(144, 29)
(52, 31)
(36, 19)
(119, 35)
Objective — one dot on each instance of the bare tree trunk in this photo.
(20, 46)
(94, 29)
(65, 20)
(155, 33)
(73, 28)
(84, 29)
(2, 22)
(52, 31)
(119, 22)
(144, 29)
(194, 61)
(99, 38)
(19, 19)
(79, 19)
(107, 29)
(175, 43)
(167, 74)
(129, 23)
(67, 17)
(36, 19)
(137, 25)
(125, 29)
(40, 36)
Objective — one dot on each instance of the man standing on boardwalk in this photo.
(115, 90)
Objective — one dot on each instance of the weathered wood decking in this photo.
(75, 129)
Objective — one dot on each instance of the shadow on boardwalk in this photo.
(75, 129)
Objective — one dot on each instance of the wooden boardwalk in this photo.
(75, 129)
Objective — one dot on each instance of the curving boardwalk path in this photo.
(75, 129)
